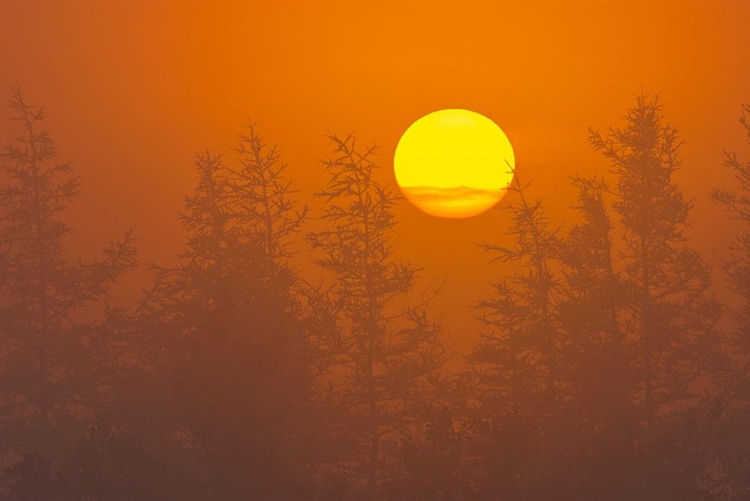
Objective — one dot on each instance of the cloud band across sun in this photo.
(447, 202)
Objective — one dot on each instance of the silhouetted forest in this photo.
(605, 368)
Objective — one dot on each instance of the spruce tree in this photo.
(519, 367)
(392, 350)
(244, 370)
(736, 266)
(518, 359)
(671, 314)
(48, 359)
(592, 298)
(732, 438)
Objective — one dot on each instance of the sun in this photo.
(454, 163)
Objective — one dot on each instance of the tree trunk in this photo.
(647, 340)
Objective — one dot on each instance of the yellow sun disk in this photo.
(454, 163)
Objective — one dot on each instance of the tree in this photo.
(48, 355)
(244, 368)
(106, 464)
(518, 359)
(265, 197)
(592, 298)
(671, 314)
(736, 266)
(520, 374)
(392, 350)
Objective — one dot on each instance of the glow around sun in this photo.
(454, 163)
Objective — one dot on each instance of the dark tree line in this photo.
(605, 367)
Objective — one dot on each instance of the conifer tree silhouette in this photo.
(47, 361)
(737, 265)
(593, 297)
(519, 356)
(672, 314)
(591, 301)
(265, 196)
(243, 374)
(392, 349)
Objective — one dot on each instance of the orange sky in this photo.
(134, 88)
